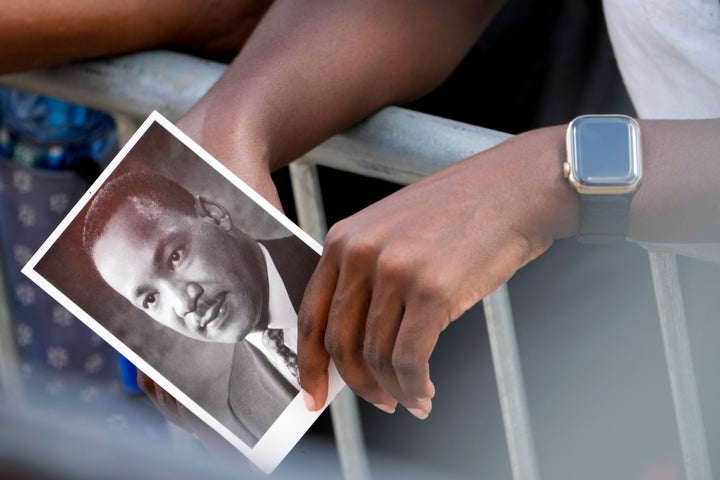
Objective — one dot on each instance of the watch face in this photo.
(604, 153)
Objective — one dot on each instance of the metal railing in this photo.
(401, 146)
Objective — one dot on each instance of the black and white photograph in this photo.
(197, 280)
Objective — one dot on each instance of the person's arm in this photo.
(314, 68)
(53, 32)
(395, 275)
(678, 201)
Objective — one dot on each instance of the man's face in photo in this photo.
(188, 272)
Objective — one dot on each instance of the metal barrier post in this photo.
(344, 408)
(308, 198)
(680, 365)
(511, 389)
(10, 376)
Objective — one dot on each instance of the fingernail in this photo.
(385, 408)
(419, 413)
(309, 401)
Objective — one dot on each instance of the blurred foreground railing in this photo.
(400, 146)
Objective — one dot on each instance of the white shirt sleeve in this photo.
(668, 52)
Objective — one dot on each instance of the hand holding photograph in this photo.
(197, 280)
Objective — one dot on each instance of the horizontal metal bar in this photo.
(402, 146)
(396, 144)
(133, 85)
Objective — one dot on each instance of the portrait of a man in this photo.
(192, 275)
(180, 260)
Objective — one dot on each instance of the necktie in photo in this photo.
(273, 340)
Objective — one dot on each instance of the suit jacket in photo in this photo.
(258, 392)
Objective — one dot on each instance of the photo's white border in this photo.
(290, 426)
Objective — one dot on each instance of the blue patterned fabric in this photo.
(32, 204)
(41, 146)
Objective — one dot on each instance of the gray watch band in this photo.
(604, 218)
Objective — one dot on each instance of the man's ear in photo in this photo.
(213, 212)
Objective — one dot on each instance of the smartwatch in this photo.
(604, 165)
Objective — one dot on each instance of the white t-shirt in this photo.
(668, 52)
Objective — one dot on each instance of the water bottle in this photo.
(43, 132)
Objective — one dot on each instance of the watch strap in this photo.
(604, 218)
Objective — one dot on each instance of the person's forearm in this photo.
(51, 32)
(679, 198)
(34, 34)
(393, 276)
(314, 68)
